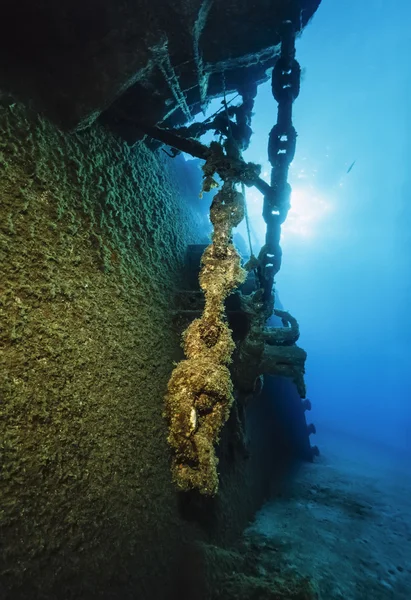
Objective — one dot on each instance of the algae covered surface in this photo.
(200, 391)
(92, 238)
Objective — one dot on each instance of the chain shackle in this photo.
(285, 82)
(277, 203)
(281, 144)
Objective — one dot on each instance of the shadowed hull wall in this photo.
(92, 243)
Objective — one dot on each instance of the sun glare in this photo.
(307, 211)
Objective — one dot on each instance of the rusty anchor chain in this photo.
(285, 87)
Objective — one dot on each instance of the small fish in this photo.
(351, 166)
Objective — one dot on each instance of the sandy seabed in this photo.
(345, 521)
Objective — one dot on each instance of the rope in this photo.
(220, 109)
(162, 58)
(242, 184)
(246, 219)
(225, 104)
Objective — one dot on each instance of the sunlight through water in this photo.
(308, 211)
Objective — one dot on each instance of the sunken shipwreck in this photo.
(152, 383)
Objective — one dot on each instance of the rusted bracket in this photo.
(241, 169)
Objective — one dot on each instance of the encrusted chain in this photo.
(233, 124)
(281, 149)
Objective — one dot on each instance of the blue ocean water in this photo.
(346, 272)
(346, 276)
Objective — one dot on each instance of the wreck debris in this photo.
(283, 336)
(248, 173)
(285, 361)
(306, 404)
(273, 351)
(268, 350)
(200, 391)
(161, 57)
